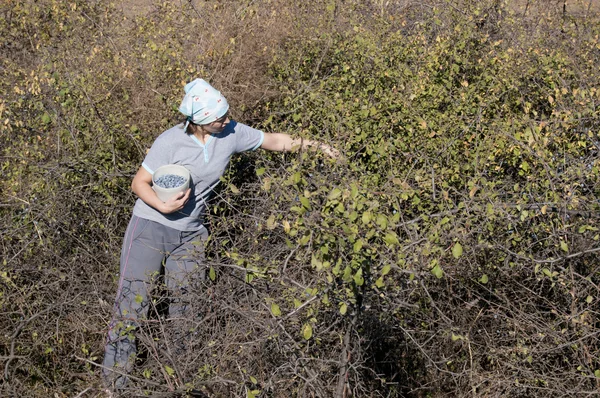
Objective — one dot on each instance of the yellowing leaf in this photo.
(234, 189)
(343, 308)
(267, 184)
(456, 337)
(473, 191)
(286, 226)
(457, 250)
(307, 331)
(484, 279)
(275, 310)
(563, 246)
(169, 370)
(271, 222)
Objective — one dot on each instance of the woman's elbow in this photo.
(135, 185)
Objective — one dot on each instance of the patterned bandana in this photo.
(202, 103)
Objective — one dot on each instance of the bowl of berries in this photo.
(169, 180)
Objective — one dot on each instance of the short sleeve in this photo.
(157, 156)
(247, 138)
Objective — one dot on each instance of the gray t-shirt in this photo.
(205, 162)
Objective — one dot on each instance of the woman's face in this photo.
(218, 125)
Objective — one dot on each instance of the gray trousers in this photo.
(146, 247)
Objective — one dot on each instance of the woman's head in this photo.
(203, 105)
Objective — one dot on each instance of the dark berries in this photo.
(169, 181)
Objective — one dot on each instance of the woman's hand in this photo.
(279, 142)
(175, 203)
(330, 151)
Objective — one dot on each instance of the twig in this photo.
(345, 358)
(152, 383)
(551, 261)
(307, 302)
(83, 392)
(14, 338)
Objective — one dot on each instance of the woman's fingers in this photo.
(177, 202)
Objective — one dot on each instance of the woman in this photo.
(172, 231)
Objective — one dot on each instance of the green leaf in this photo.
(253, 380)
(347, 277)
(597, 373)
(260, 171)
(391, 239)
(307, 331)
(386, 269)
(358, 278)
(589, 299)
(46, 118)
(212, 274)
(367, 217)
(437, 271)
(252, 393)
(563, 246)
(334, 194)
(169, 370)
(382, 221)
(358, 245)
(483, 279)
(457, 250)
(305, 202)
(275, 310)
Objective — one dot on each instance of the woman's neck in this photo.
(200, 133)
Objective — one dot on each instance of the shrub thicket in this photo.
(453, 251)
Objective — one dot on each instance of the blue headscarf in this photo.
(202, 103)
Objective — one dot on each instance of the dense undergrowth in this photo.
(452, 252)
